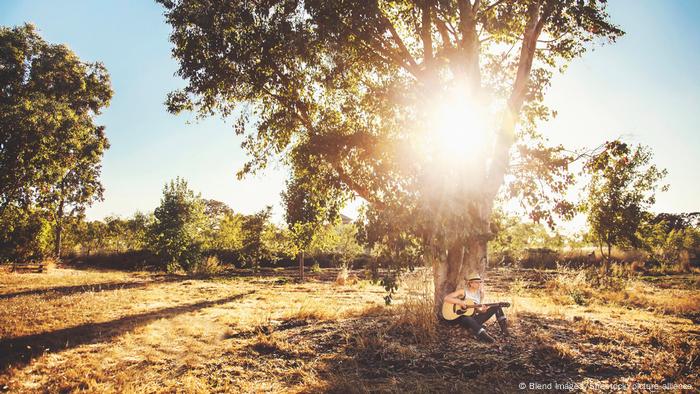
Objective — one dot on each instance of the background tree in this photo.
(24, 235)
(306, 210)
(514, 236)
(621, 190)
(94, 237)
(229, 236)
(668, 236)
(339, 241)
(387, 100)
(177, 233)
(253, 249)
(50, 148)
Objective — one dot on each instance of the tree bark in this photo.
(58, 231)
(462, 258)
(301, 265)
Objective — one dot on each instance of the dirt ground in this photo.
(88, 331)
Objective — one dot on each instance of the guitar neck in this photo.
(491, 304)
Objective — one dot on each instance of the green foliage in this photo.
(622, 188)
(177, 234)
(50, 148)
(23, 235)
(667, 236)
(308, 205)
(513, 238)
(342, 91)
(229, 233)
(277, 243)
(338, 241)
(253, 249)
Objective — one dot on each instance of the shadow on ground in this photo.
(96, 287)
(22, 350)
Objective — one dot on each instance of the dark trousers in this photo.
(476, 321)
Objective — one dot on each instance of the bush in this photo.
(23, 235)
(206, 267)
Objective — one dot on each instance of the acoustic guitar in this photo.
(452, 311)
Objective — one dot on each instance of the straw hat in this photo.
(472, 277)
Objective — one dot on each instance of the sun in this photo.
(458, 129)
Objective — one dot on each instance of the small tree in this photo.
(668, 236)
(253, 248)
(621, 189)
(229, 234)
(307, 208)
(177, 233)
(339, 241)
(23, 235)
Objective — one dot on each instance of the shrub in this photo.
(23, 235)
(206, 267)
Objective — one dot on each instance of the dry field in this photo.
(89, 331)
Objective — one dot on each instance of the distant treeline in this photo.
(181, 233)
(664, 239)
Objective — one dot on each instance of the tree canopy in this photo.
(50, 146)
(622, 187)
(413, 106)
(177, 234)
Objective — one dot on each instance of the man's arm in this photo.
(453, 298)
(483, 301)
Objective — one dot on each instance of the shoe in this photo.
(485, 337)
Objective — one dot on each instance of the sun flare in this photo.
(458, 129)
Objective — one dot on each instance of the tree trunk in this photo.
(461, 259)
(57, 241)
(607, 260)
(58, 230)
(301, 265)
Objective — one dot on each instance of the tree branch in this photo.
(506, 135)
(426, 33)
(382, 52)
(469, 45)
(444, 33)
(399, 42)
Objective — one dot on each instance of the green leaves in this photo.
(621, 190)
(180, 225)
(341, 92)
(50, 148)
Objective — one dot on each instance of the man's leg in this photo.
(476, 327)
(482, 317)
(502, 321)
(500, 317)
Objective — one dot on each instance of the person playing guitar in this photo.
(473, 293)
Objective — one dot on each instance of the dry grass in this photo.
(118, 332)
(576, 287)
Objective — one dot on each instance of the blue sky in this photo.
(645, 87)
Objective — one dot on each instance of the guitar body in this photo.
(453, 311)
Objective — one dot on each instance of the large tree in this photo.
(50, 147)
(412, 105)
